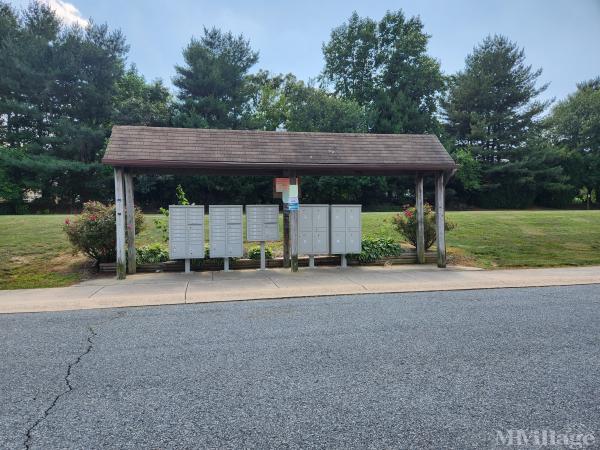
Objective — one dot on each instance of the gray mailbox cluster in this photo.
(186, 232)
(313, 229)
(262, 225)
(323, 229)
(345, 230)
(226, 240)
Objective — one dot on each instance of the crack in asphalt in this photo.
(47, 411)
(28, 436)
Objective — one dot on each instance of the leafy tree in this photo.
(384, 66)
(212, 82)
(574, 124)
(283, 100)
(137, 102)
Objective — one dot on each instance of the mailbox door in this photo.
(353, 218)
(217, 218)
(338, 218)
(235, 246)
(305, 220)
(338, 241)
(305, 243)
(195, 231)
(271, 232)
(353, 244)
(177, 232)
(320, 242)
(271, 213)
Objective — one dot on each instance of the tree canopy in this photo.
(384, 66)
(211, 84)
(63, 87)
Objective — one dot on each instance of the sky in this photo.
(560, 36)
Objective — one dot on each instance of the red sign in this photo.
(282, 184)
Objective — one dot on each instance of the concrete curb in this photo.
(211, 287)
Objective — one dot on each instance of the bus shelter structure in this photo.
(136, 150)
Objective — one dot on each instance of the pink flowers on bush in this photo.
(406, 224)
(93, 232)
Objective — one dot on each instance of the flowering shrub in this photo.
(406, 224)
(152, 254)
(94, 231)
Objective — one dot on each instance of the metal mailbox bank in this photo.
(261, 226)
(186, 232)
(346, 230)
(226, 240)
(313, 231)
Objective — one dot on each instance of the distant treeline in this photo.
(63, 88)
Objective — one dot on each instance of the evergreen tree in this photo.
(492, 111)
(212, 83)
(57, 86)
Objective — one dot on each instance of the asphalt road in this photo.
(425, 370)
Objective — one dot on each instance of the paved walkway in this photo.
(174, 288)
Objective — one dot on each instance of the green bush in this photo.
(152, 254)
(254, 252)
(377, 248)
(94, 231)
(406, 224)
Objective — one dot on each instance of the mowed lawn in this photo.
(34, 251)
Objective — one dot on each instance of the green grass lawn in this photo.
(34, 251)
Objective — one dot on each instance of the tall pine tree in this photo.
(491, 110)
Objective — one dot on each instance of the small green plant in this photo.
(377, 248)
(94, 231)
(254, 252)
(406, 224)
(152, 254)
(162, 223)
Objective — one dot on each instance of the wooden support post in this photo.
(293, 232)
(130, 216)
(420, 219)
(286, 236)
(120, 223)
(440, 219)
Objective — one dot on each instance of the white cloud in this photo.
(66, 11)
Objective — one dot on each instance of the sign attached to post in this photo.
(282, 184)
(281, 188)
(293, 200)
(293, 190)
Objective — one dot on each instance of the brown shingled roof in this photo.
(270, 152)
